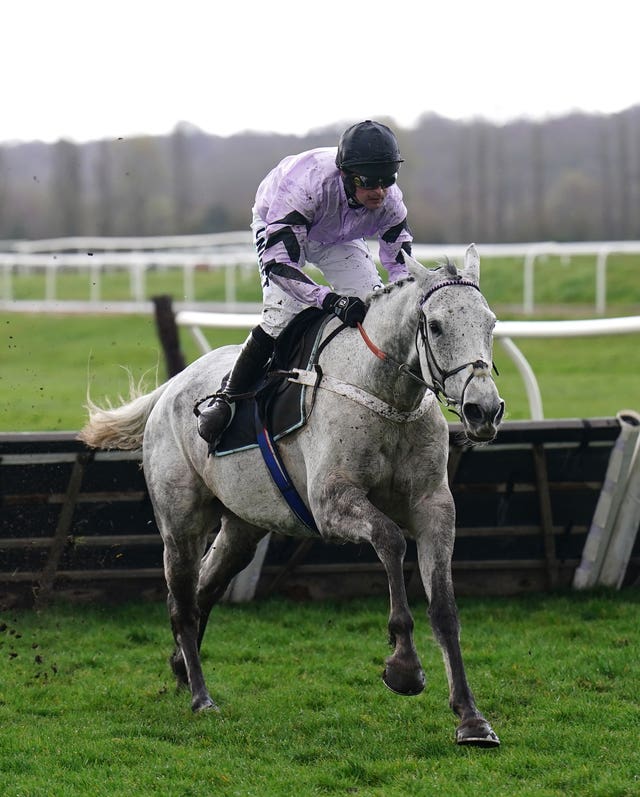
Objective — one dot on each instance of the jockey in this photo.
(318, 207)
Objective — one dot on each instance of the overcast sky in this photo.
(90, 69)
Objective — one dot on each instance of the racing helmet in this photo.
(369, 149)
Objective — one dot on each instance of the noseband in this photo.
(438, 375)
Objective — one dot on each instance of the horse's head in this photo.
(456, 335)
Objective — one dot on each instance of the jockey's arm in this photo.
(393, 243)
(283, 259)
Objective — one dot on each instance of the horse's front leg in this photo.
(346, 513)
(435, 532)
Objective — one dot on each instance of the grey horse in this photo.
(370, 465)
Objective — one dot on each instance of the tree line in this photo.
(571, 178)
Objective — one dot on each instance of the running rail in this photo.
(95, 255)
(505, 331)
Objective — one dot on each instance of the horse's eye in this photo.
(435, 328)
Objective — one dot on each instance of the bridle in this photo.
(438, 376)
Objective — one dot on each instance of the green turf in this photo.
(88, 706)
(49, 361)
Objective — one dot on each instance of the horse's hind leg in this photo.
(229, 553)
(435, 548)
(185, 517)
(232, 550)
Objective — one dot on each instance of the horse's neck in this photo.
(390, 324)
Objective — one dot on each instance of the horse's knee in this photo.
(389, 541)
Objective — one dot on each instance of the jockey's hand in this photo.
(349, 309)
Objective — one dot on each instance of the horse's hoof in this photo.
(403, 681)
(477, 733)
(203, 704)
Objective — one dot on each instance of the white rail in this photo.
(504, 332)
(234, 249)
(136, 263)
(94, 243)
(532, 252)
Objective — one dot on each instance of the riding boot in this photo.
(247, 371)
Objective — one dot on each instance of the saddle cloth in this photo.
(280, 403)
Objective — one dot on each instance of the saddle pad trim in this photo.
(278, 436)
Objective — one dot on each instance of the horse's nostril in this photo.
(473, 413)
(476, 415)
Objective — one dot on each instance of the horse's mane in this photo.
(445, 264)
(389, 288)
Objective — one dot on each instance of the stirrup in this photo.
(210, 398)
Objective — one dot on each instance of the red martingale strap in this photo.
(372, 346)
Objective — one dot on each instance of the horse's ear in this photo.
(472, 263)
(415, 268)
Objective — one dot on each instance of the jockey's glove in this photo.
(349, 309)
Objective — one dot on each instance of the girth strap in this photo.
(280, 475)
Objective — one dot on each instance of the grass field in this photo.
(88, 706)
(48, 361)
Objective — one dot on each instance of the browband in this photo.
(447, 284)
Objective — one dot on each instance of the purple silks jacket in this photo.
(303, 198)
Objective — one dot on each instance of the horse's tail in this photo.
(119, 427)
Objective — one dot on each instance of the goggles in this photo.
(361, 181)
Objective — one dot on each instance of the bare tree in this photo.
(106, 199)
(462, 180)
(66, 188)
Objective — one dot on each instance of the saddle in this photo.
(278, 403)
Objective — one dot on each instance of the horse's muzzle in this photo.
(481, 423)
